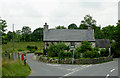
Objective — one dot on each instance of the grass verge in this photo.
(15, 68)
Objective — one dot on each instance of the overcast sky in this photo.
(34, 13)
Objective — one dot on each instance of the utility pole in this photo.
(13, 36)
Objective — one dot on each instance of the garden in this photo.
(61, 52)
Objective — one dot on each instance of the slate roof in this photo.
(102, 43)
(68, 35)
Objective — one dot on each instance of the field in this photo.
(15, 68)
(21, 46)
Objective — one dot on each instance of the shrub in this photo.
(20, 50)
(91, 54)
(45, 51)
(32, 48)
(84, 47)
(102, 52)
(88, 54)
(54, 49)
(96, 48)
(95, 54)
(61, 54)
(107, 51)
(76, 55)
(67, 54)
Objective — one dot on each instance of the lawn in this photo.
(15, 68)
(21, 45)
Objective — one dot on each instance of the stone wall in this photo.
(76, 61)
(77, 44)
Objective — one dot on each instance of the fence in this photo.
(11, 56)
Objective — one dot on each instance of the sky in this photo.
(34, 13)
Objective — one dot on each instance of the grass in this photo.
(21, 46)
(15, 68)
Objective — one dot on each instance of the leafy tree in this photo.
(117, 34)
(109, 31)
(2, 30)
(26, 31)
(83, 26)
(61, 27)
(98, 33)
(18, 35)
(72, 26)
(9, 35)
(88, 21)
(37, 34)
(117, 39)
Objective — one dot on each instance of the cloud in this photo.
(35, 13)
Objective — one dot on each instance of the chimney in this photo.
(45, 27)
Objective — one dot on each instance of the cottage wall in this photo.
(77, 44)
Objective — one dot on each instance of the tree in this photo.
(9, 35)
(109, 31)
(72, 26)
(83, 26)
(37, 34)
(98, 33)
(2, 30)
(61, 27)
(26, 31)
(88, 21)
(18, 35)
(117, 33)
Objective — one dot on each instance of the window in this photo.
(72, 43)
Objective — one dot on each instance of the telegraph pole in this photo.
(13, 36)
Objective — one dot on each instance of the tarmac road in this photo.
(105, 70)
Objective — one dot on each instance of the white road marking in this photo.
(53, 64)
(77, 70)
(107, 75)
(112, 70)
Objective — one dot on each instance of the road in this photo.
(66, 70)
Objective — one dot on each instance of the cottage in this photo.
(71, 37)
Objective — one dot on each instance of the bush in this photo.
(20, 50)
(91, 54)
(107, 51)
(84, 47)
(54, 49)
(61, 54)
(45, 51)
(76, 55)
(96, 48)
(102, 52)
(32, 48)
(88, 54)
(95, 54)
(67, 54)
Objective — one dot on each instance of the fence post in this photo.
(18, 56)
